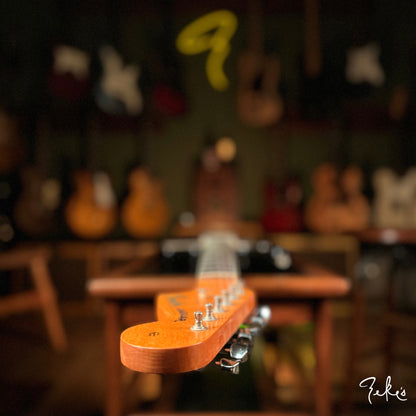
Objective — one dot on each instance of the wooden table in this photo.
(293, 298)
(311, 245)
(395, 238)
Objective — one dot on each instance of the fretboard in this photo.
(217, 256)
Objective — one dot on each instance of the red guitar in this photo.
(194, 326)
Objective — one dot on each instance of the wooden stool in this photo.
(41, 296)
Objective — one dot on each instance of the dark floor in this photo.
(35, 381)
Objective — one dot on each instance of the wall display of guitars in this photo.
(337, 203)
(194, 326)
(259, 103)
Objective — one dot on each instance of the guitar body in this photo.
(337, 204)
(394, 202)
(282, 211)
(35, 209)
(12, 149)
(258, 101)
(145, 212)
(172, 344)
(86, 216)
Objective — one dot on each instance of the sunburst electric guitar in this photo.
(193, 327)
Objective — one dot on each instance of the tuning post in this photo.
(226, 298)
(199, 324)
(233, 292)
(209, 315)
(240, 288)
(218, 305)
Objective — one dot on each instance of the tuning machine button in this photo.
(244, 337)
(239, 351)
(199, 324)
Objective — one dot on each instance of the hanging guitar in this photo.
(215, 189)
(91, 210)
(12, 149)
(194, 326)
(145, 212)
(259, 103)
(167, 93)
(69, 77)
(36, 209)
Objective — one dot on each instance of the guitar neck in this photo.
(217, 258)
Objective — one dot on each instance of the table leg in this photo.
(49, 303)
(114, 399)
(388, 329)
(323, 348)
(356, 332)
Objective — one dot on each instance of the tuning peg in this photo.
(226, 298)
(239, 351)
(264, 312)
(199, 324)
(244, 337)
(209, 316)
(226, 364)
(233, 292)
(218, 305)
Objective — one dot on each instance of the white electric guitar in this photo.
(118, 91)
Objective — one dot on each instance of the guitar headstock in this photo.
(192, 328)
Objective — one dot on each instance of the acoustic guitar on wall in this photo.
(35, 211)
(91, 210)
(194, 326)
(145, 212)
(12, 149)
(259, 103)
(337, 203)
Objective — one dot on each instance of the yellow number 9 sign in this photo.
(211, 32)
